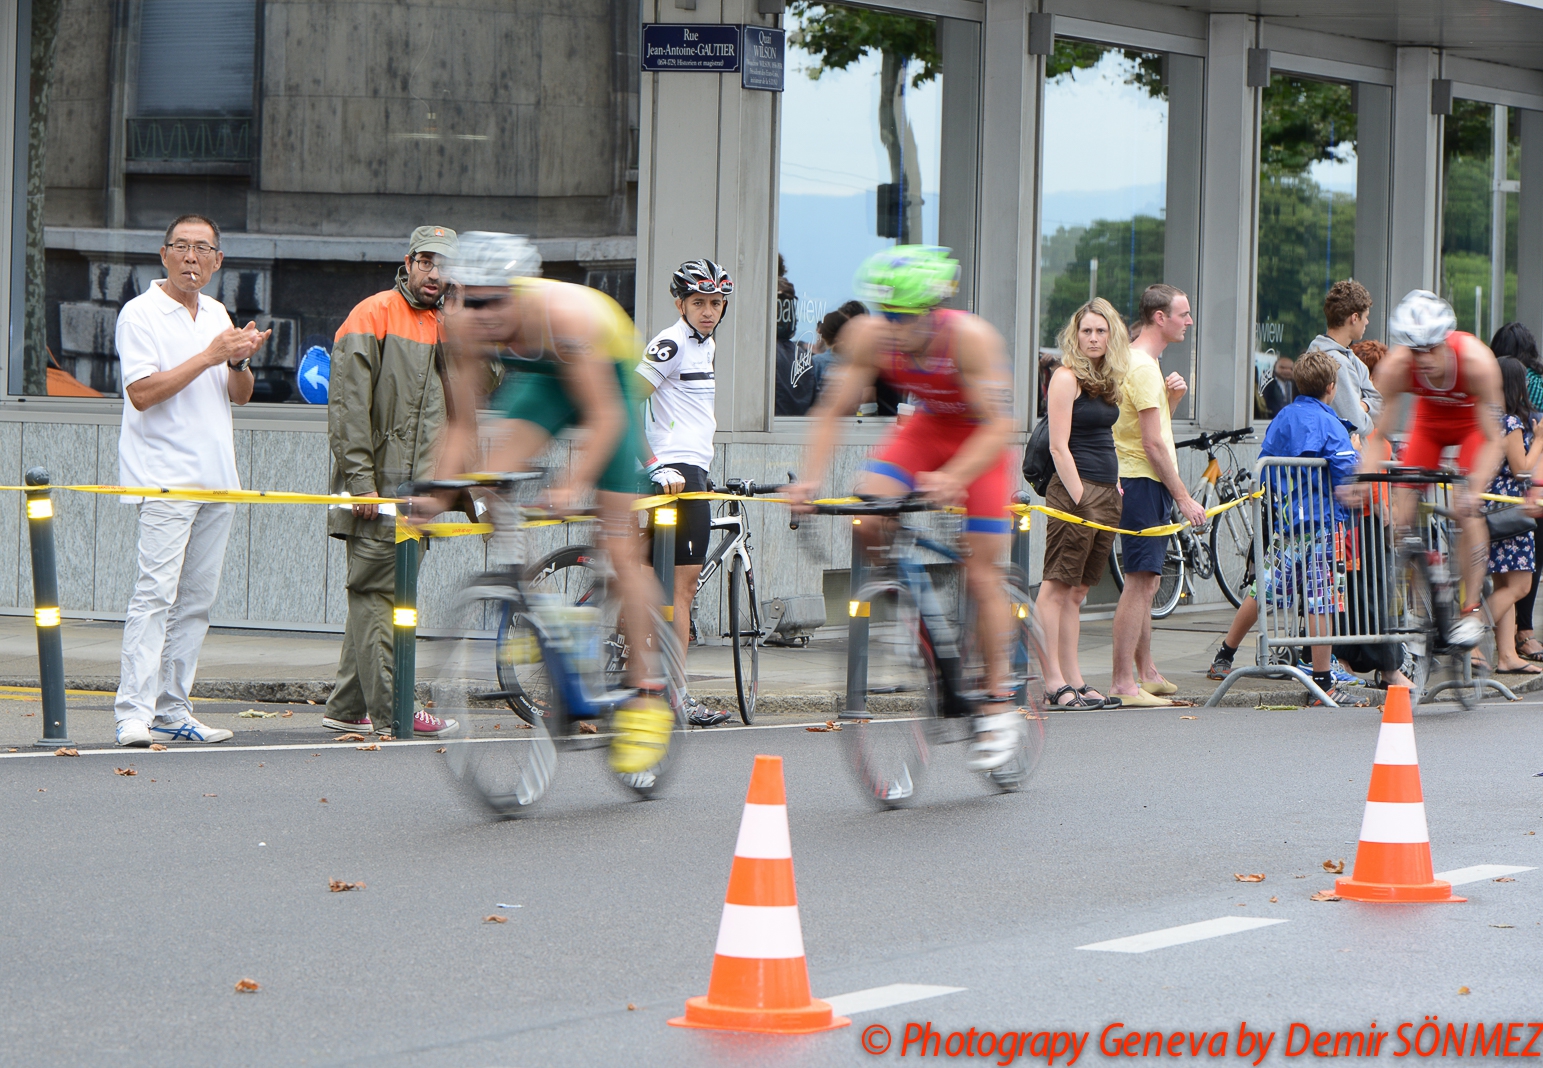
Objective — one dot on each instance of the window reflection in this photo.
(861, 146)
(1102, 212)
(1307, 188)
(1471, 245)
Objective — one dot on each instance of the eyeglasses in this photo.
(202, 248)
(474, 303)
(426, 262)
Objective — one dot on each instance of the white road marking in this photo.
(1176, 936)
(883, 997)
(1478, 873)
(220, 747)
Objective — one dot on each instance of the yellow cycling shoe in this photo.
(642, 736)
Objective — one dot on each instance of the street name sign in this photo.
(692, 46)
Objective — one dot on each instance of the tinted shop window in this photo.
(861, 152)
(1307, 187)
(1480, 214)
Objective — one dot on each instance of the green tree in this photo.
(838, 36)
(1130, 258)
(1306, 243)
(44, 45)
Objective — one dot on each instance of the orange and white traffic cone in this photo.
(760, 981)
(1392, 861)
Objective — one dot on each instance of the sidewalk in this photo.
(289, 666)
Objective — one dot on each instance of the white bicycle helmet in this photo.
(1422, 320)
(487, 258)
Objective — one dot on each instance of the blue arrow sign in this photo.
(314, 374)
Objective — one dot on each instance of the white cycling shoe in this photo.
(998, 737)
(1466, 632)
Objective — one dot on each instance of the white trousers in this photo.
(181, 552)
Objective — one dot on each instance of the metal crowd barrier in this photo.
(1328, 581)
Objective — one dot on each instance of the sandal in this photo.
(1535, 655)
(1077, 704)
(1093, 699)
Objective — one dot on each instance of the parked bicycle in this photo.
(1225, 556)
(514, 646)
(925, 674)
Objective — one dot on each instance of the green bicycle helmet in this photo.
(908, 278)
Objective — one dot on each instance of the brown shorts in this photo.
(1074, 554)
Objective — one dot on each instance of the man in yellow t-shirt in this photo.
(1150, 485)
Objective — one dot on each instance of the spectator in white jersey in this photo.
(679, 420)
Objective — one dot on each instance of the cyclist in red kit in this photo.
(1458, 400)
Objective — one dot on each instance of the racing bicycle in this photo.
(1225, 557)
(925, 674)
(516, 647)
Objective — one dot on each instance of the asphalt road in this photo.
(136, 903)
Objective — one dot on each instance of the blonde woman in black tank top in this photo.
(1083, 404)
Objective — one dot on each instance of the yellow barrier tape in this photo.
(218, 496)
(1147, 532)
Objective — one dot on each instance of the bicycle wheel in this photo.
(503, 763)
(1023, 665)
(1232, 547)
(581, 575)
(744, 638)
(889, 743)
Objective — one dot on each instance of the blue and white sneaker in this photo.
(189, 730)
(1343, 677)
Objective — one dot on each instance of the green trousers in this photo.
(367, 663)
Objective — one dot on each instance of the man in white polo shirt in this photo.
(184, 364)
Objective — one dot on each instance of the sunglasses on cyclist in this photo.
(474, 303)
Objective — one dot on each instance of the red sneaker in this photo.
(428, 725)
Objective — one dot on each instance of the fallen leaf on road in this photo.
(309, 701)
(1257, 877)
(285, 714)
(42, 789)
(1464, 990)
(28, 715)
(252, 713)
(350, 738)
(371, 748)
(1189, 717)
(247, 986)
(12, 749)
(495, 919)
(830, 725)
(1532, 832)
(65, 751)
(124, 771)
(338, 886)
(1505, 879)
(1275, 708)
(523, 726)
(324, 800)
(1273, 899)
(1335, 867)
(631, 1007)
(500, 726)
(1502, 925)
(1299, 876)
(584, 728)
(157, 747)
(1324, 895)
(387, 737)
(441, 749)
(428, 704)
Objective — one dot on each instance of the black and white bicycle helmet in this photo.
(1422, 320)
(488, 258)
(700, 276)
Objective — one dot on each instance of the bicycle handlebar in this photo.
(1215, 437)
(1413, 475)
(878, 506)
(747, 487)
(491, 480)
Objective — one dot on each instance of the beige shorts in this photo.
(1074, 554)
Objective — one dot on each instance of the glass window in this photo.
(862, 147)
(1472, 246)
(1102, 215)
(318, 136)
(1307, 188)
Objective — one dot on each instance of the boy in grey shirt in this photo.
(1347, 308)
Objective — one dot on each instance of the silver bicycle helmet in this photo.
(1422, 320)
(487, 258)
(700, 276)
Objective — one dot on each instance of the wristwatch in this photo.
(240, 365)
